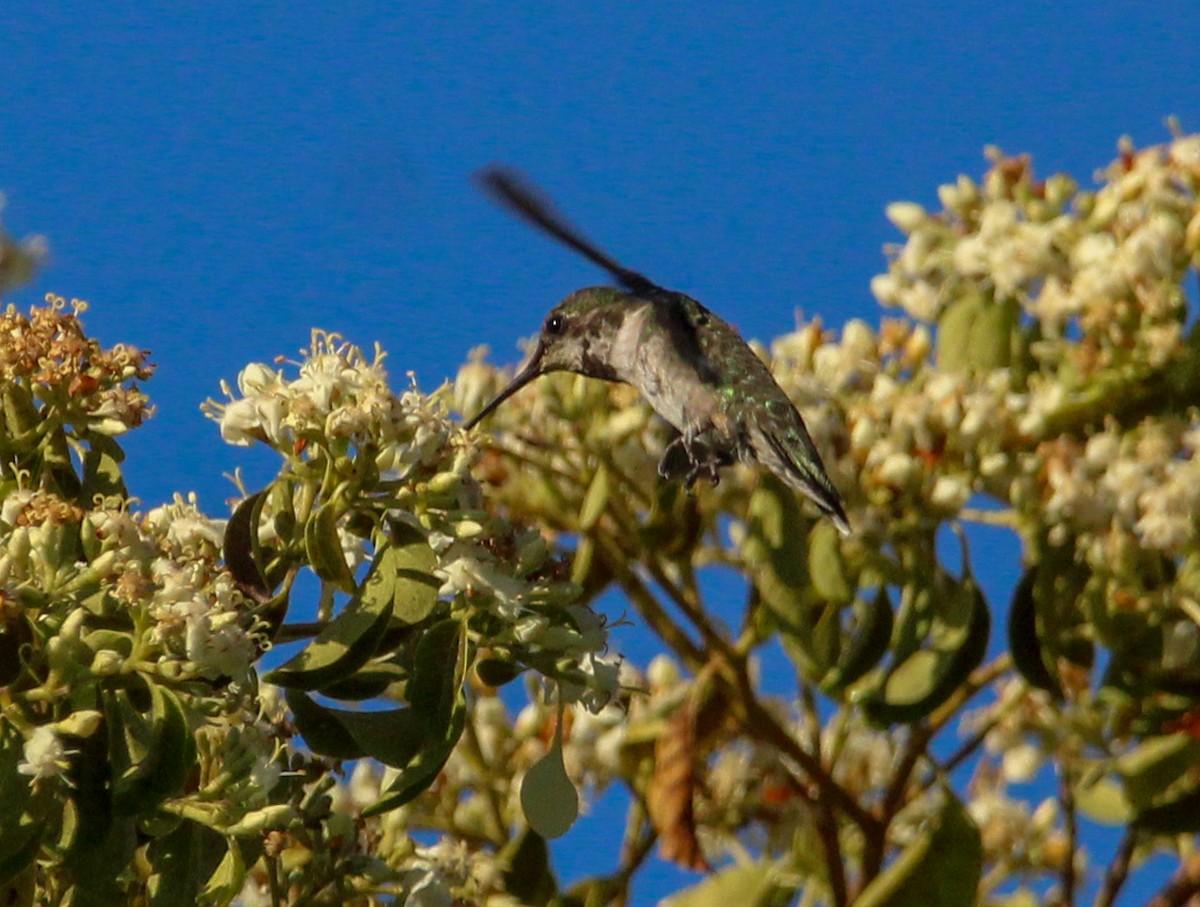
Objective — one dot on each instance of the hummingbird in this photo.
(693, 369)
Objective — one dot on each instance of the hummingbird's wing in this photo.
(525, 200)
(530, 204)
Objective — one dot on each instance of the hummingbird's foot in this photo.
(676, 460)
(701, 468)
(691, 460)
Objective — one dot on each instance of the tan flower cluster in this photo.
(55, 376)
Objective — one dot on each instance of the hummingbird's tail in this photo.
(795, 460)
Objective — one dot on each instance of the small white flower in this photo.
(265, 774)
(1020, 763)
(907, 216)
(886, 289)
(43, 755)
(950, 492)
(897, 469)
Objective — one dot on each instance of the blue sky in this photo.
(218, 179)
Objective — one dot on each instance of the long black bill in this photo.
(518, 195)
(532, 369)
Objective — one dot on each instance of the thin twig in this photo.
(1118, 871)
(758, 722)
(273, 880)
(761, 725)
(827, 827)
(499, 833)
(1005, 519)
(968, 748)
(650, 607)
(1183, 885)
(1066, 796)
(916, 746)
(827, 831)
(640, 836)
(686, 600)
(293, 632)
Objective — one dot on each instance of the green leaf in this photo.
(14, 787)
(752, 885)
(164, 768)
(496, 672)
(392, 736)
(20, 841)
(21, 416)
(826, 565)
(98, 844)
(374, 679)
(424, 767)
(102, 470)
(1157, 768)
(959, 626)
(941, 868)
(1103, 801)
(528, 877)
(181, 863)
(975, 333)
(321, 729)
(323, 547)
(675, 522)
(228, 878)
(347, 642)
(868, 644)
(774, 525)
(954, 332)
(405, 568)
(438, 676)
(595, 500)
(1023, 638)
(992, 335)
(437, 699)
(548, 798)
(1178, 816)
(239, 546)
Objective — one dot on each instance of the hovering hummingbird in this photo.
(693, 368)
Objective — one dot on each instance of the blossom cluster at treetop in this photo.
(1038, 374)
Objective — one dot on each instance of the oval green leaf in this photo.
(238, 546)
(868, 643)
(323, 546)
(345, 644)
(1023, 638)
(548, 798)
(941, 868)
(957, 643)
(405, 566)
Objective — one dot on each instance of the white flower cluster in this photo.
(1013, 835)
(1110, 260)
(1143, 485)
(401, 452)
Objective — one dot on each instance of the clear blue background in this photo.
(217, 181)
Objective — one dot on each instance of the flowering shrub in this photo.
(1043, 380)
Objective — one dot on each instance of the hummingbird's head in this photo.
(577, 336)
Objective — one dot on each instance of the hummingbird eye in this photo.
(555, 324)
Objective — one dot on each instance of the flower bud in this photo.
(80, 724)
(275, 816)
(107, 663)
(908, 216)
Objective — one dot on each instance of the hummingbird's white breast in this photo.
(646, 356)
